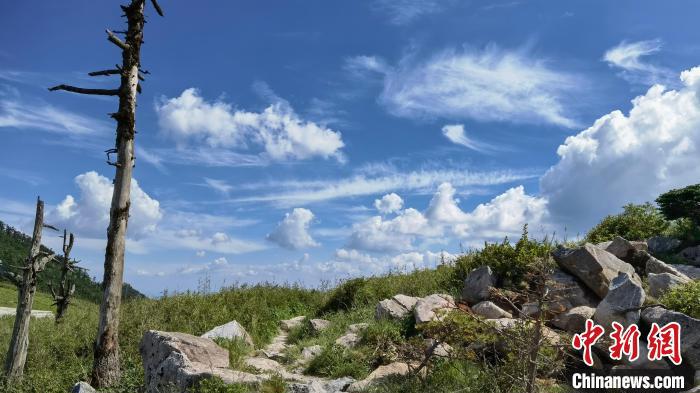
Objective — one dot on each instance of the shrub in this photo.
(681, 203)
(336, 362)
(636, 222)
(684, 298)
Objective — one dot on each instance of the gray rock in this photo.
(529, 309)
(567, 292)
(623, 248)
(441, 350)
(594, 267)
(478, 284)
(264, 365)
(574, 320)
(83, 387)
(490, 310)
(308, 353)
(177, 361)
(333, 386)
(348, 340)
(398, 307)
(661, 283)
(690, 331)
(691, 271)
(617, 306)
(656, 266)
(662, 244)
(433, 307)
(319, 325)
(357, 327)
(691, 255)
(379, 374)
(230, 331)
(289, 324)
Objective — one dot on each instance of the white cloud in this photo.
(456, 134)
(89, 213)
(487, 85)
(278, 129)
(218, 185)
(401, 12)
(627, 56)
(293, 231)
(361, 64)
(628, 158)
(389, 203)
(15, 113)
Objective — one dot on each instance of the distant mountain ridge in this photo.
(14, 247)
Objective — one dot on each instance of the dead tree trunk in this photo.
(36, 261)
(66, 288)
(106, 371)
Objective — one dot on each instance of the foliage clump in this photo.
(684, 298)
(636, 222)
(681, 203)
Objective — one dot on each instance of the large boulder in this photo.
(662, 244)
(398, 307)
(574, 320)
(379, 374)
(83, 387)
(621, 304)
(175, 362)
(623, 248)
(690, 331)
(433, 307)
(595, 267)
(661, 283)
(319, 325)
(490, 310)
(656, 266)
(691, 255)
(477, 285)
(230, 331)
(566, 292)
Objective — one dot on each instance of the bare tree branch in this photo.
(116, 41)
(105, 72)
(157, 7)
(80, 90)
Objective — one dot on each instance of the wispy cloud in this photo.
(22, 175)
(456, 134)
(16, 113)
(627, 57)
(401, 12)
(218, 185)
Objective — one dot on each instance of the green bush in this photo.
(336, 362)
(681, 203)
(684, 298)
(509, 262)
(636, 222)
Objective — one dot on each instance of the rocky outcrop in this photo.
(433, 307)
(566, 292)
(661, 283)
(319, 325)
(621, 304)
(490, 310)
(230, 331)
(177, 361)
(478, 284)
(398, 307)
(691, 255)
(574, 320)
(662, 244)
(623, 248)
(690, 331)
(656, 266)
(379, 374)
(692, 272)
(83, 387)
(594, 267)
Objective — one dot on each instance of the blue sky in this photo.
(307, 141)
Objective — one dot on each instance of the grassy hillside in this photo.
(14, 247)
(8, 298)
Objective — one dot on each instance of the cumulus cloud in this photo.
(293, 231)
(487, 85)
(628, 158)
(627, 56)
(389, 203)
(281, 133)
(89, 213)
(503, 216)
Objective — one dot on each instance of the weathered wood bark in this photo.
(66, 288)
(106, 371)
(36, 261)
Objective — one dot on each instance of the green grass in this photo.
(8, 298)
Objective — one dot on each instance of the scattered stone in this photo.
(230, 331)
(691, 254)
(264, 365)
(398, 307)
(308, 353)
(477, 285)
(529, 309)
(490, 310)
(433, 307)
(83, 387)
(319, 325)
(624, 294)
(662, 244)
(333, 386)
(289, 324)
(442, 350)
(382, 372)
(566, 292)
(595, 267)
(179, 360)
(691, 271)
(357, 327)
(348, 340)
(574, 320)
(656, 266)
(661, 283)
(690, 331)
(623, 248)
(502, 324)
